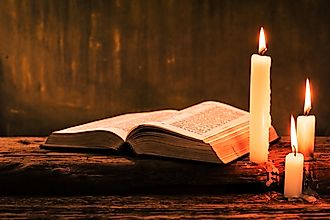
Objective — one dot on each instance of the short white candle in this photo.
(294, 168)
(306, 128)
(260, 103)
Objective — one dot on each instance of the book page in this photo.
(204, 120)
(122, 124)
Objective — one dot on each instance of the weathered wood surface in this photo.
(245, 206)
(26, 169)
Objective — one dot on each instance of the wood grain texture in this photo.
(26, 169)
(65, 62)
(262, 206)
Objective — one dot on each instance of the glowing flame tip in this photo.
(308, 102)
(262, 42)
(294, 141)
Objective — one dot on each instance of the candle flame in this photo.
(308, 103)
(294, 142)
(262, 42)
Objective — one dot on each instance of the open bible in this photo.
(209, 131)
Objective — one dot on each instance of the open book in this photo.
(209, 131)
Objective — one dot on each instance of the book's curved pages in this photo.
(209, 131)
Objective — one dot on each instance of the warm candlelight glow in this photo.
(308, 103)
(260, 119)
(306, 127)
(294, 167)
(294, 142)
(262, 41)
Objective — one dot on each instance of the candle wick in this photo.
(263, 51)
(294, 150)
(307, 111)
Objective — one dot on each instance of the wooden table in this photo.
(36, 183)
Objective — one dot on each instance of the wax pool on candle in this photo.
(294, 167)
(306, 128)
(260, 104)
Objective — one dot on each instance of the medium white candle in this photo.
(294, 167)
(306, 128)
(260, 103)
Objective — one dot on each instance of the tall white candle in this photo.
(306, 128)
(294, 167)
(260, 103)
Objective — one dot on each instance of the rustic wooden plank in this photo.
(240, 206)
(26, 169)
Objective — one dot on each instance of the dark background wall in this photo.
(65, 62)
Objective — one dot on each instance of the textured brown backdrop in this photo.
(67, 62)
